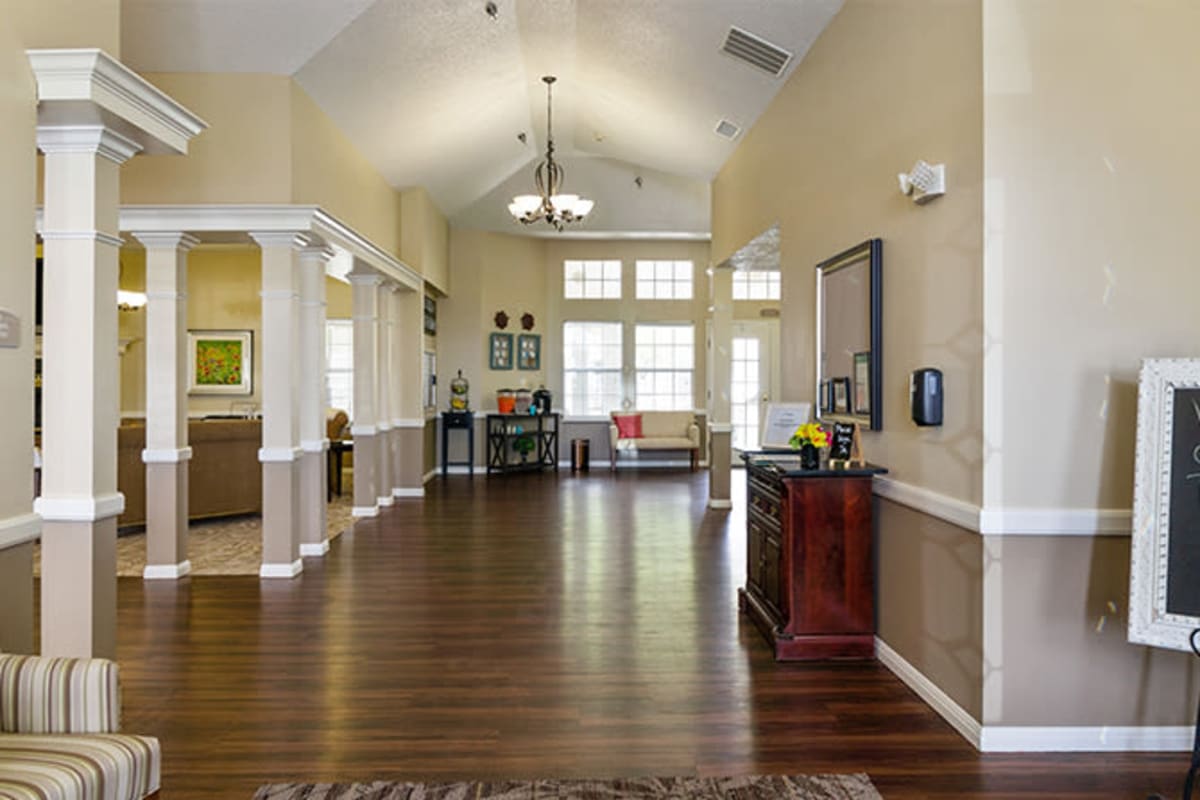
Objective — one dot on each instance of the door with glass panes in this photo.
(754, 380)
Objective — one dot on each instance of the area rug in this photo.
(746, 787)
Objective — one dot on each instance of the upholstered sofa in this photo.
(638, 431)
(59, 733)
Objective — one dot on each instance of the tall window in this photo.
(339, 358)
(665, 360)
(756, 285)
(664, 280)
(592, 280)
(591, 368)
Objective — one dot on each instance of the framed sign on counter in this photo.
(781, 422)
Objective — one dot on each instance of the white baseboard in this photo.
(719, 505)
(958, 717)
(429, 476)
(406, 491)
(318, 549)
(166, 572)
(281, 570)
(364, 511)
(385, 500)
(1036, 738)
(464, 470)
(1087, 739)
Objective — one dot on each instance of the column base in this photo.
(280, 518)
(281, 570)
(364, 511)
(79, 588)
(719, 505)
(720, 457)
(406, 492)
(315, 549)
(166, 572)
(410, 463)
(386, 500)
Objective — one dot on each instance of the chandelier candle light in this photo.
(548, 204)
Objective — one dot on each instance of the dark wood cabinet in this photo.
(809, 568)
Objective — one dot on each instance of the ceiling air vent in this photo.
(727, 130)
(756, 52)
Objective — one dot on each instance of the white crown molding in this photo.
(958, 717)
(165, 240)
(278, 455)
(166, 455)
(316, 550)
(1006, 521)
(79, 509)
(647, 236)
(88, 86)
(363, 248)
(20, 529)
(290, 240)
(281, 570)
(166, 572)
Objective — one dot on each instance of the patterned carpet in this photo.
(229, 546)
(751, 787)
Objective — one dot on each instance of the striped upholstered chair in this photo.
(59, 740)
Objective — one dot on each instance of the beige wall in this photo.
(425, 238)
(65, 23)
(875, 93)
(929, 601)
(1091, 173)
(1092, 270)
(327, 170)
(243, 157)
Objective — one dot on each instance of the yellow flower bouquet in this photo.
(809, 433)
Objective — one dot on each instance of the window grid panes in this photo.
(664, 360)
(592, 280)
(756, 285)
(664, 280)
(744, 391)
(339, 360)
(591, 368)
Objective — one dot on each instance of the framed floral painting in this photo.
(220, 362)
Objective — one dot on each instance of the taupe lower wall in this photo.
(431, 446)
(929, 599)
(1058, 655)
(16, 598)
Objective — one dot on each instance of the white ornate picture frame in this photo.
(1166, 482)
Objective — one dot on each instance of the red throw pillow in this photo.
(629, 426)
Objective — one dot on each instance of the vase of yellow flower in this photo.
(808, 439)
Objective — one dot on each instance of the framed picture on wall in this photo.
(500, 351)
(430, 316)
(529, 351)
(862, 383)
(220, 362)
(841, 395)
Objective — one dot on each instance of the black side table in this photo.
(459, 421)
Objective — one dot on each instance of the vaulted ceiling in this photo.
(435, 92)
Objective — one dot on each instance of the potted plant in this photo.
(808, 439)
(523, 444)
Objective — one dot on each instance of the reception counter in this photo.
(224, 477)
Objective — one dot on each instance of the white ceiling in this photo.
(434, 92)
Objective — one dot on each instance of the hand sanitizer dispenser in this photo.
(925, 390)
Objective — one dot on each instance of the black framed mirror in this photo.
(850, 336)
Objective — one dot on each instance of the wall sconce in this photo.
(924, 182)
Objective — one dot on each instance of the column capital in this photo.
(365, 278)
(166, 240)
(314, 251)
(294, 239)
(97, 139)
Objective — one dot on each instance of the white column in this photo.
(80, 503)
(720, 429)
(280, 358)
(314, 538)
(383, 387)
(365, 288)
(409, 407)
(167, 452)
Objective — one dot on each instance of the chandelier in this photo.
(556, 209)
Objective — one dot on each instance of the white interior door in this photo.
(754, 380)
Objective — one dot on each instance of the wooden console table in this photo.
(809, 568)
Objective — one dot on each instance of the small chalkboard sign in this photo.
(845, 443)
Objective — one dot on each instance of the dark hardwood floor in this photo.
(534, 626)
